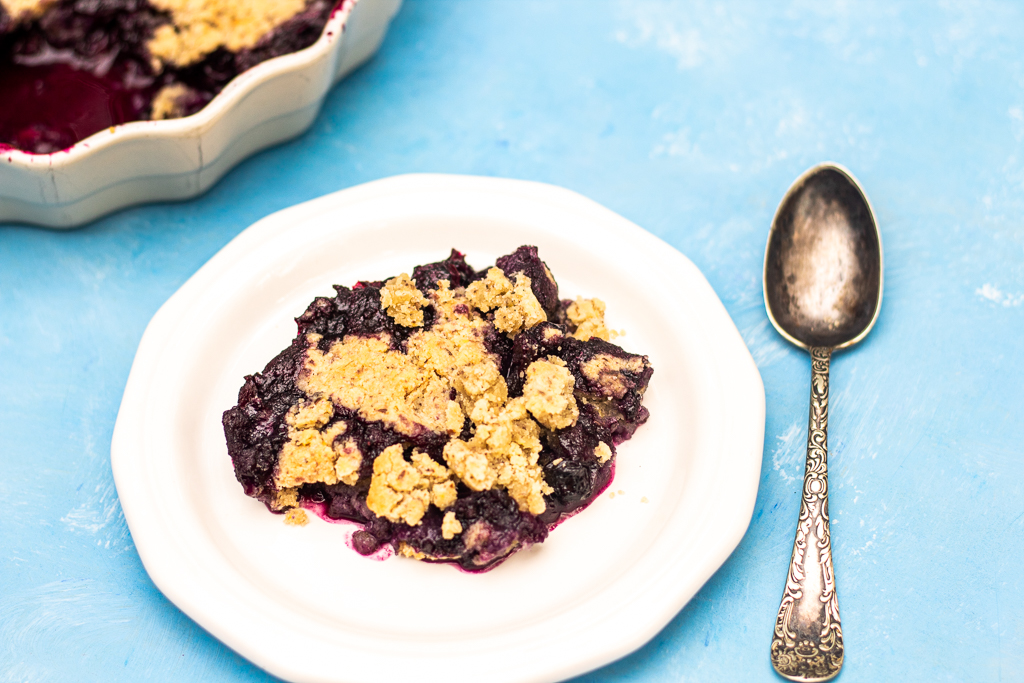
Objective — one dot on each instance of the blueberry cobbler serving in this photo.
(71, 68)
(456, 415)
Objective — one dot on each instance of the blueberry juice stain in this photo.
(49, 107)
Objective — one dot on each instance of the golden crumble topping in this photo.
(350, 458)
(515, 305)
(403, 301)
(406, 550)
(24, 10)
(310, 455)
(310, 414)
(602, 452)
(503, 452)
(365, 375)
(506, 443)
(296, 517)
(491, 291)
(606, 371)
(548, 393)
(401, 491)
(450, 527)
(198, 27)
(408, 391)
(552, 333)
(470, 465)
(285, 498)
(588, 317)
(167, 102)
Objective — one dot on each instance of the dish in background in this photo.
(297, 601)
(144, 161)
(75, 68)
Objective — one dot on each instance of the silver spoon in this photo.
(823, 291)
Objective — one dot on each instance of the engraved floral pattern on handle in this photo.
(808, 642)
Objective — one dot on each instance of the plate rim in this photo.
(739, 375)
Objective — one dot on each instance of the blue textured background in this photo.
(691, 119)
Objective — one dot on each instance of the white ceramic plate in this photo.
(302, 605)
(146, 161)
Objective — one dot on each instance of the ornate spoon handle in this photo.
(808, 642)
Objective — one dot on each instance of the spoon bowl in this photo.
(823, 264)
(823, 291)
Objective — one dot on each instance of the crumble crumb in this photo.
(480, 382)
(521, 311)
(491, 291)
(199, 28)
(309, 456)
(503, 452)
(284, 499)
(406, 550)
(363, 374)
(450, 527)
(470, 465)
(402, 491)
(552, 334)
(644, 500)
(310, 414)
(602, 452)
(549, 393)
(455, 340)
(25, 10)
(611, 494)
(621, 492)
(403, 301)
(350, 458)
(515, 305)
(606, 371)
(167, 103)
(588, 317)
(296, 517)
(442, 489)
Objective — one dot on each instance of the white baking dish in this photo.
(146, 161)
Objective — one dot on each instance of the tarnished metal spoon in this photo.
(823, 291)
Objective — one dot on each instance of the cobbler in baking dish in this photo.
(456, 415)
(71, 68)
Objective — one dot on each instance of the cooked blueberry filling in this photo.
(76, 67)
(455, 415)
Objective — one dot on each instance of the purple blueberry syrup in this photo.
(357, 538)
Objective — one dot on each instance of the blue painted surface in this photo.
(691, 119)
